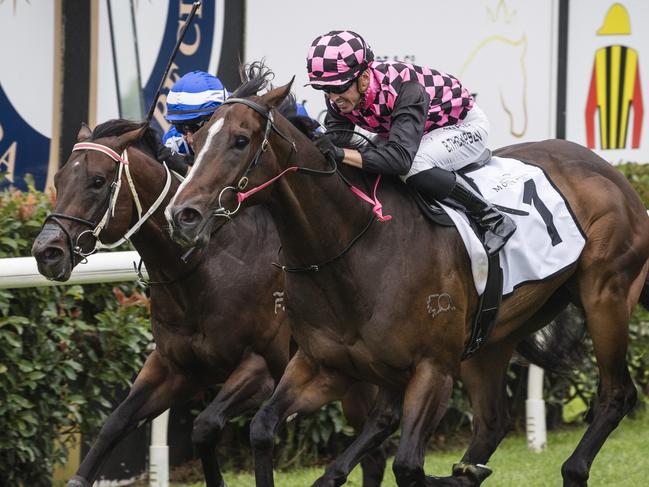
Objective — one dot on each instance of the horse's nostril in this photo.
(188, 216)
(51, 254)
(48, 255)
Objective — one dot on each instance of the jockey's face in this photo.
(350, 99)
(347, 100)
(189, 137)
(188, 127)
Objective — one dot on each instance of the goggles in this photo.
(191, 126)
(335, 89)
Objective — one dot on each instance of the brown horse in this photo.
(360, 304)
(215, 319)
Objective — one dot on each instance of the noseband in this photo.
(97, 227)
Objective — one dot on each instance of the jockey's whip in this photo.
(188, 21)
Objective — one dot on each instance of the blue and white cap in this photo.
(194, 95)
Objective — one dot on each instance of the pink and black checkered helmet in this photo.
(337, 57)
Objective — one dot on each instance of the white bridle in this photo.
(123, 163)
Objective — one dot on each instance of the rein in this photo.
(243, 182)
(97, 227)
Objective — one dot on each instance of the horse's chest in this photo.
(352, 355)
(193, 353)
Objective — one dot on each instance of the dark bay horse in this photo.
(215, 319)
(361, 313)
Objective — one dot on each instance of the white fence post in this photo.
(535, 410)
(159, 452)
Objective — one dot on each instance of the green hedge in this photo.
(61, 350)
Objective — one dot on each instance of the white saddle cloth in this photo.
(547, 238)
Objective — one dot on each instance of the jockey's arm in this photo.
(406, 130)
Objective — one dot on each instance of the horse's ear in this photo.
(275, 97)
(129, 138)
(84, 132)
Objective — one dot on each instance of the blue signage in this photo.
(23, 150)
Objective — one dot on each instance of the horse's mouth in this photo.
(189, 228)
(183, 239)
(53, 263)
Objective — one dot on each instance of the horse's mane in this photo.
(255, 77)
(148, 143)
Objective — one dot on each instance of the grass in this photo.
(622, 461)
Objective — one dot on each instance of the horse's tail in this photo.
(559, 346)
(644, 294)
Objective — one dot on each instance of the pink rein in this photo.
(377, 207)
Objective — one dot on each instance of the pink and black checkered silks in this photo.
(449, 100)
(336, 57)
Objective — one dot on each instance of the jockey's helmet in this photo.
(196, 94)
(336, 58)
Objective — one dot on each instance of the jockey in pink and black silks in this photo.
(430, 124)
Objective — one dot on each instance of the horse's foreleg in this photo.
(607, 316)
(382, 421)
(357, 405)
(304, 387)
(155, 390)
(246, 388)
(483, 376)
(425, 402)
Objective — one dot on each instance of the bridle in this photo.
(238, 188)
(96, 227)
(267, 115)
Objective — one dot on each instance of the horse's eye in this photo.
(98, 182)
(241, 141)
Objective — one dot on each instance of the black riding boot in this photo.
(443, 186)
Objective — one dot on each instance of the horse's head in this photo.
(89, 204)
(242, 147)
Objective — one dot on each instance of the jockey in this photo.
(190, 103)
(430, 122)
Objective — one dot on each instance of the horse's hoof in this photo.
(574, 473)
(77, 481)
(476, 474)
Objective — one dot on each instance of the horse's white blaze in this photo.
(212, 131)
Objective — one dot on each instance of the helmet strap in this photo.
(358, 87)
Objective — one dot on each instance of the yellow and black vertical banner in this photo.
(614, 90)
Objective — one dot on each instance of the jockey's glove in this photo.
(176, 162)
(329, 149)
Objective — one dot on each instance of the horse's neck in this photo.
(315, 215)
(152, 241)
